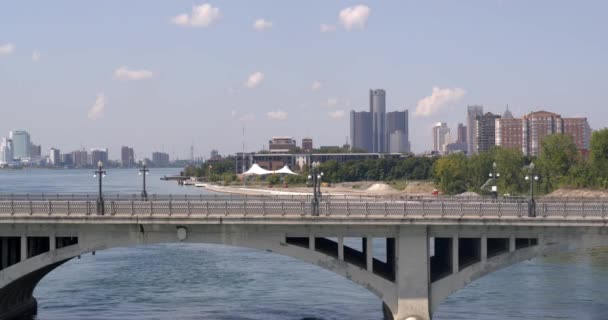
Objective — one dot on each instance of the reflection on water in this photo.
(197, 281)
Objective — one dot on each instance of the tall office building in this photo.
(361, 134)
(97, 155)
(35, 151)
(440, 136)
(398, 131)
(485, 131)
(160, 159)
(127, 157)
(80, 158)
(6, 151)
(472, 113)
(461, 134)
(377, 106)
(21, 144)
(55, 157)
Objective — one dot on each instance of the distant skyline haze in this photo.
(162, 76)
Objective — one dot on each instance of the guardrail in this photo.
(272, 208)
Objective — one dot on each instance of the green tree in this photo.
(450, 173)
(510, 164)
(558, 155)
(599, 153)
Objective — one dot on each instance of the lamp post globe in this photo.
(100, 174)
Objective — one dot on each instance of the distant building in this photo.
(67, 159)
(472, 113)
(461, 134)
(398, 131)
(6, 151)
(55, 157)
(307, 145)
(377, 107)
(282, 145)
(35, 151)
(97, 155)
(361, 134)
(440, 136)
(80, 158)
(485, 131)
(214, 155)
(527, 133)
(21, 144)
(127, 157)
(160, 159)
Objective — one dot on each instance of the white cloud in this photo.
(439, 97)
(97, 110)
(316, 86)
(354, 17)
(337, 114)
(201, 16)
(327, 27)
(254, 80)
(333, 102)
(35, 56)
(247, 117)
(261, 24)
(7, 49)
(277, 115)
(126, 74)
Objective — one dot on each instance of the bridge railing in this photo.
(274, 208)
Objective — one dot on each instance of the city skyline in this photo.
(188, 77)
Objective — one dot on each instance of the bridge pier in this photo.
(413, 276)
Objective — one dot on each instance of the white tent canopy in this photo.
(257, 171)
(285, 170)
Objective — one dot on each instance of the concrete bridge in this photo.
(433, 248)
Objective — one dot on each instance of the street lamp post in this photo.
(494, 176)
(144, 172)
(315, 178)
(100, 173)
(532, 177)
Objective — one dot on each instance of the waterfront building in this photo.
(6, 151)
(67, 159)
(160, 159)
(398, 131)
(35, 151)
(55, 157)
(127, 157)
(282, 145)
(21, 144)
(80, 158)
(377, 107)
(307, 145)
(485, 131)
(361, 133)
(440, 136)
(472, 113)
(99, 154)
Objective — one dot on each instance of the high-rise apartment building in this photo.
(80, 158)
(35, 151)
(377, 107)
(160, 159)
(527, 133)
(307, 145)
(397, 131)
(99, 154)
(472, 113)
(485, 131)
(361, 133)
(67, 159)
(440, 136)
(54, 157)
(21, 144)
(6, 151)
(127, 157)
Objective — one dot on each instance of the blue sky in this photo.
(161, 82)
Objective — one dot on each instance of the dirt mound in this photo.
(419, 187)
(468, 194)
(380, 188)
(578, 193)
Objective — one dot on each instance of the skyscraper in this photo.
(6, 151)
(377, 106)
(485, 131)
(361, 133)
(97, 155)
(397, 131)
(440, 136)
(55, 157)
(127, 157)
(21, 144)
(472, 113)
(462, 134)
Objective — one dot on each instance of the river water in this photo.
(198, 281)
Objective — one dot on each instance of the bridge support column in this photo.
(455, 254)
(23, 248)
(341, 248)
(484, 248)
(413, 278)
(52, 243)
(512, 243)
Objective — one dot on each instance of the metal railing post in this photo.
(49, 207)
(31, 208)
